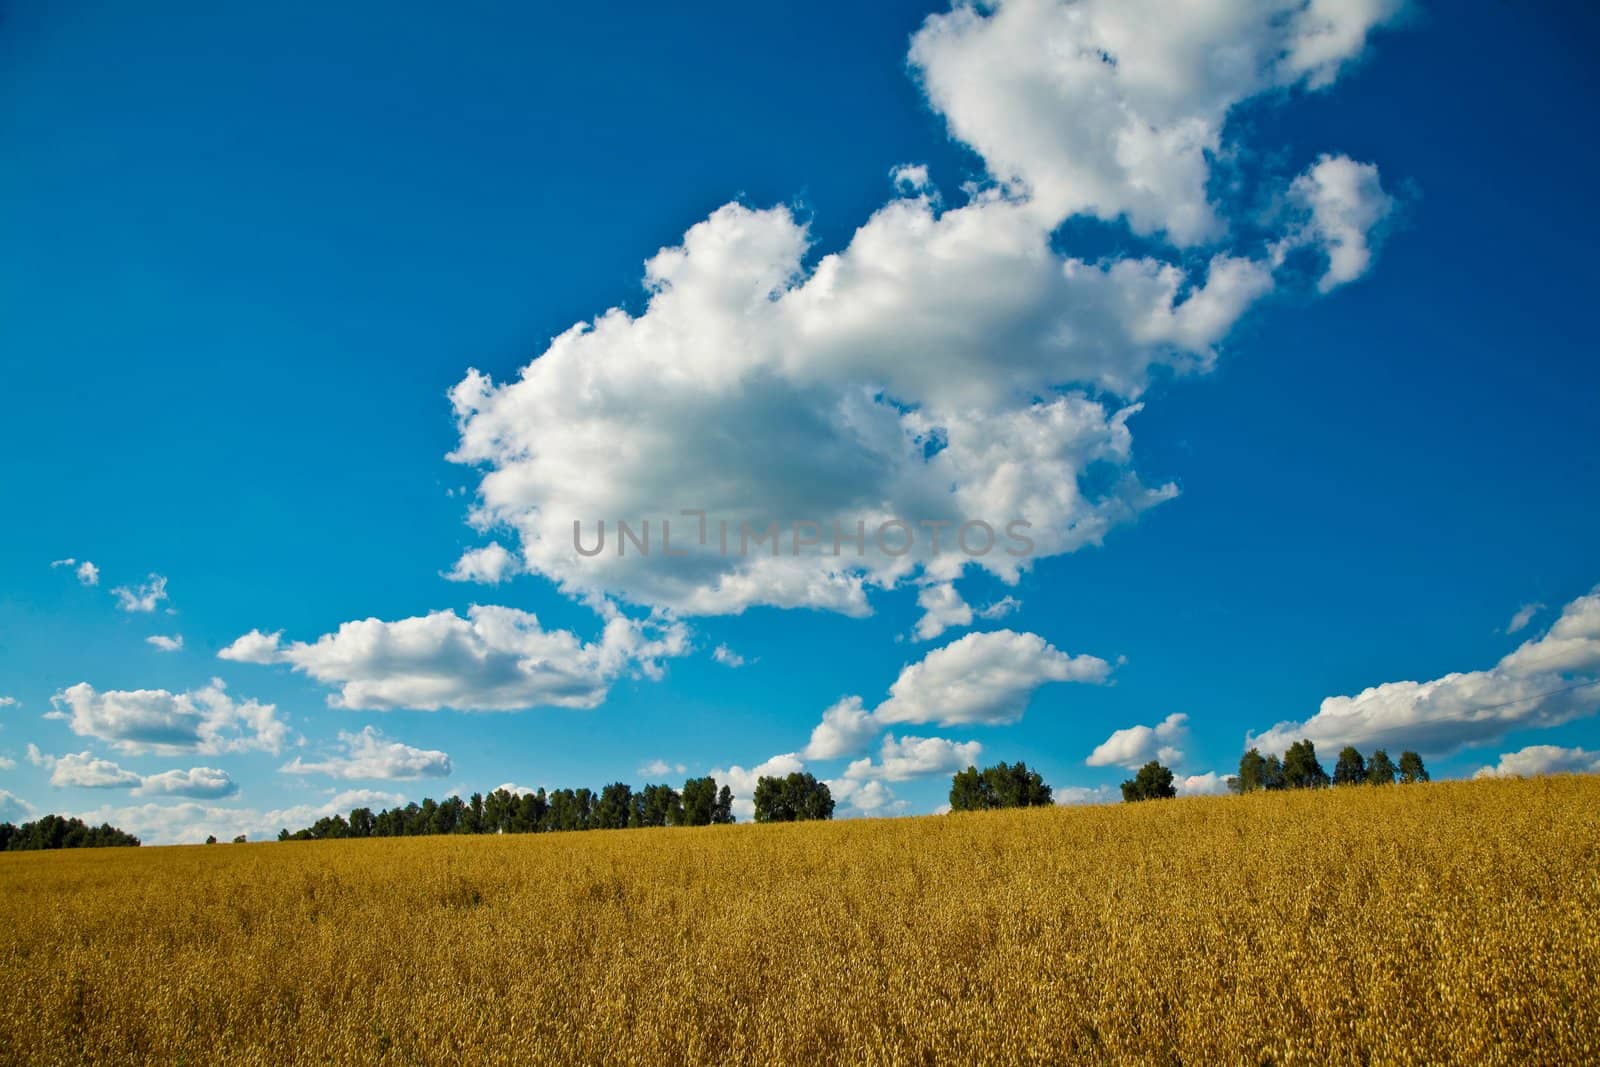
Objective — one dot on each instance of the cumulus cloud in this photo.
(1545, 682)
(1523, 617)
(87, 573)
(727, 656)
(1344, 207)
(494, 659)
(204, 783)
(1137, 745)
(206, 720)
(942, 608)
(370, 755)
(915, 757)
(489, 565)
(1209, 784)
(83, 770)
(948, 364)
(163, 643)
(1542, 759)
(141, 598)
(985, 678)
(658, 768)
(845, 729)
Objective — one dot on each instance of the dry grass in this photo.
(1452, 922)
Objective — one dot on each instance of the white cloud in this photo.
(916, 757)
(845, 729)
(742, 781)
(13, 808)
(870, 798)
(10, 702)
(1523, 617)
(1137, 745)
(942, 608)
(155, 720)
(1543, 683)
(514, 789)
(1542, 759)
(1111, 108)
(87, 573)
(1209, 784)
(188, 822)
(1006, 605)
(495, 659)
(370, 755)
(1070, 795)
(1344, 207)
(954, 364)
(82, 770)
(253, 647)
(7, 763)
(164, 643)
(727, 656)
(141, 598)
(207, 783)
(983, 678)
(658, 768)
(489, 565)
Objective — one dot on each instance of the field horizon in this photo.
(1447, 921)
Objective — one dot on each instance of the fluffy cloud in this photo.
(1523, 617)
(983, 678)
(370, 755)
(948, 363)
(1006, 605)
(82, 770)
(915, 757)
(489, 565)
(495, 659)
(1111, 108)
(1070, 795)
(1345, 207)
(155, 720)
(1209, 784)
(659, 768)
(1542, 759)
(845, 728)
(1138, 745)
(1544, 682)
(163, 643)
(188, 822)
(741, 781)
(942, 608)
(141, 598)
(200, 782)
(9, 702)
(87, 573)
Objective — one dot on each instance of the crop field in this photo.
(1407, 924)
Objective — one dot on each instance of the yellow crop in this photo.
(1453, 922)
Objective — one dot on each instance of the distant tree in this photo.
(211, 839)
(699, 801)
(614, 808)
(1300, 767)
(723, 813)
(362, 822)
(56, 831)
(1252, 772)
(1272, 774)
(241, 839)
(1153, 782)
(1005, 785)
(657, 805)
(1351, 768)
(1411, 768)
(1380, 770)
(798, 797)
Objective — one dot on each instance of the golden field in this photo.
(1453, 922)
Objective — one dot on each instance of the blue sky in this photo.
(250, 256)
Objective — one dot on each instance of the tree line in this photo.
(56, 831)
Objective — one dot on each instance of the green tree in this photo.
(1252, 771)
(723, 814)
(1300, 767)
(1272, 774)
(614, 810)
(1351, 768)
(1411, 768)
(1380, 771)
(1152, 782)
(968, 791)
(796, 798)
(1005, 785)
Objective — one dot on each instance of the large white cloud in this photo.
(84, 770)
(206, 720)
(1535, 760)
(1137, 745)
(370, 755)
(948, 363)
(494, 659)
(1545, 682)
(985, 678)
(201, 782)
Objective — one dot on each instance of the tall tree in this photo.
(1351, 768)
(1153, 782)
(724, 810)
(968, 791)
(1252, 771)
(1300, 767)
(614, 810)
(795, 798)
(1411, 768)
(1380, 771)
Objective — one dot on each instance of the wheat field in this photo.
(1453, 922)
